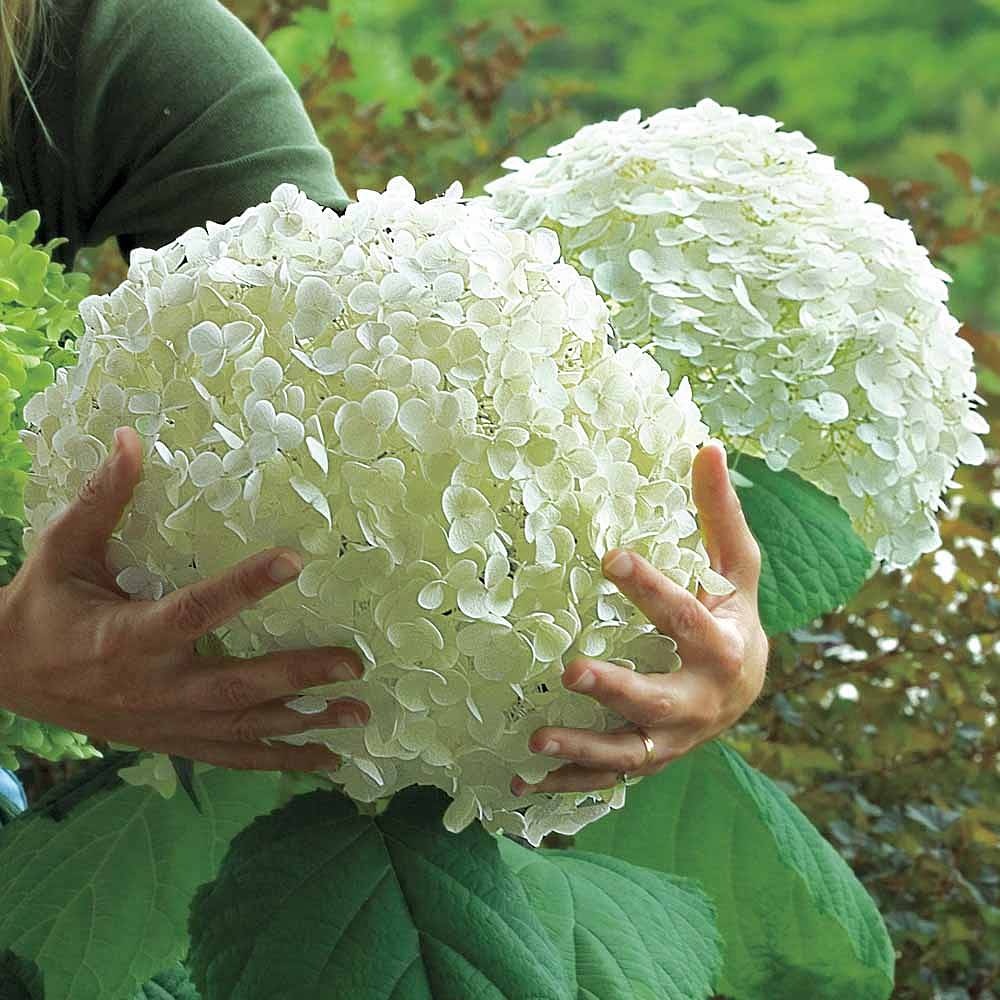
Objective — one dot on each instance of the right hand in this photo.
(77, 652)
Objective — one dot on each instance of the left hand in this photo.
(721, 643)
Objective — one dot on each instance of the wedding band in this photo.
(650, 746)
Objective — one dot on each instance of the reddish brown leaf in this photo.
(341, 67)
(959, 166)
(986, 346)
(425, 69)
(533, 34)
(959, 235)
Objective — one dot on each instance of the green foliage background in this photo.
(878, 720)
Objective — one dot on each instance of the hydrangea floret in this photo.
(427, 403)
(812, 325)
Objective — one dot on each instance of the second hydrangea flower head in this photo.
(813, 327)
(426, 403)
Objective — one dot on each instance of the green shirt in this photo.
(165, 114)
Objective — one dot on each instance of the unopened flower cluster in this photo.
(813, 327)
(41, 739)
(426, 403)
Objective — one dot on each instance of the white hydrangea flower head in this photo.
(426, 403)
(812, 326)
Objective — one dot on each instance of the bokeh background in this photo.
(878, 720)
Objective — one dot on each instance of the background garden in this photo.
(878, 720)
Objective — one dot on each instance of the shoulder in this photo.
(162, 30)
(182, 116)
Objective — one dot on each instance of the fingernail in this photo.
(344, 670)
(620, 564)
(718, 445)
(356, 714)
(550, 747)
(284, 568)
(584, 682)
(116, 450)
(518, 787)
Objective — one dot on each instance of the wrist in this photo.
(11, 640)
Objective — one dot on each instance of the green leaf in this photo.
(624, 932)
(795, 919)
(99, 898)
(19, 978)
(25, 228)
(29, 267)
(317, 900)
(39, 377)
(174, 984)
(12, 492)
(811, 559)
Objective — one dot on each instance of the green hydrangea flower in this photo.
(39, 323)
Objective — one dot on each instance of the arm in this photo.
(70, 641)
(176, 114)
(183, 116)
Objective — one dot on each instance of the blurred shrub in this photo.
(856, 75)
(38, 323)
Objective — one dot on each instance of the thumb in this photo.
(731, 547)
(79, 536)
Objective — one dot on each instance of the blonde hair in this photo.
(22, 26)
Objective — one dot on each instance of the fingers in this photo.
(193, 611)
(617, 751)
(79, 536)
(686, 700)
(251, 757)
(672, 609)
(599, 759)
(571, 778)
(232, 683)
(272, 719)
(731, 547)
(624, 691)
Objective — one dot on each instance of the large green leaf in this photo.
(95, 884)
(795, 919)
(624, 932)
(317, 900)
(811, 559)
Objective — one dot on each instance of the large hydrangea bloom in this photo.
(427, 404)
(812, 325)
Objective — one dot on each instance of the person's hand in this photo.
(721, 643)
(75, 651)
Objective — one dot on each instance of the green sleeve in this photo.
(183, 116)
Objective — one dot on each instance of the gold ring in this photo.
(648, 744)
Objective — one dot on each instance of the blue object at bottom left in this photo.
(12, 790)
